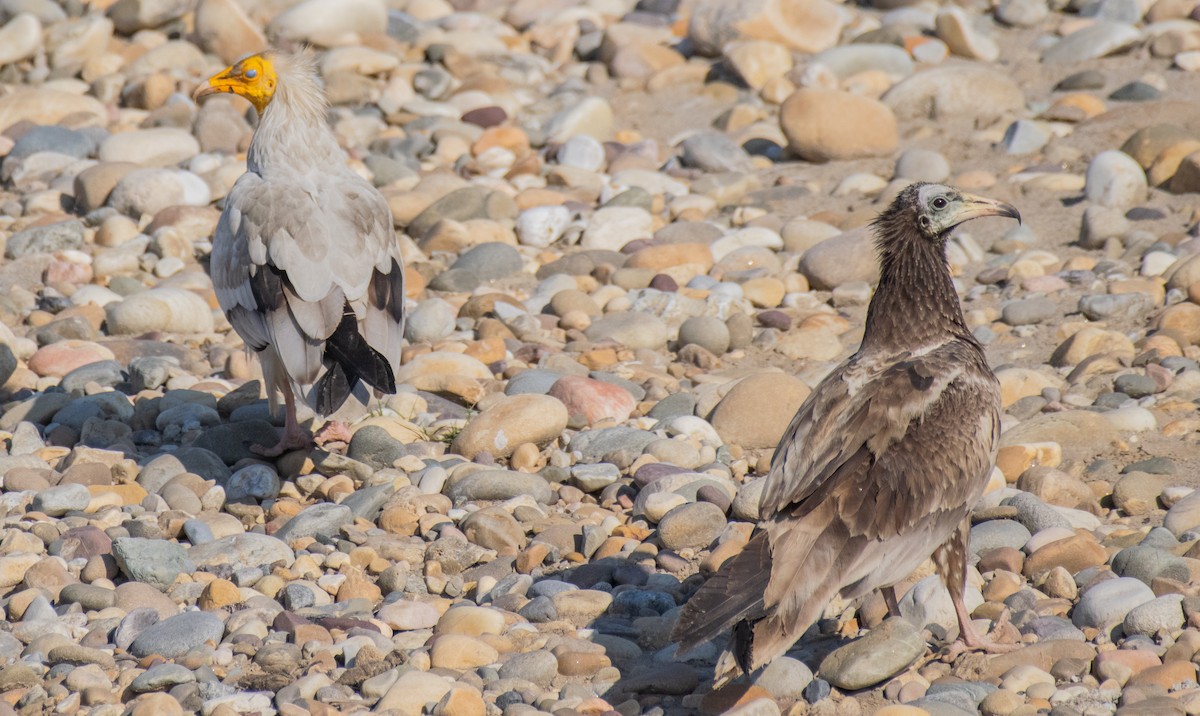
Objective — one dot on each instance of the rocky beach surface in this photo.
(636, 236)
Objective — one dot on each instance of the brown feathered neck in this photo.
(915, 304)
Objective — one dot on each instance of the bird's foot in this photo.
(296, 439)
(1006, 639)
(957, 648)
(334, 431)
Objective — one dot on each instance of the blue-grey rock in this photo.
(150, 372)
(432, 320)
(106, 406)
(1145, 563)
(965, 695)
(1106, 306)
(1125, 11)
(52, 138)
(785, 678)
(539, 667)
(634, 603)
(368, 502)
(992, 534)
(1136, 91)
(1164, 613)
(132, 624)
(45, 239)
(1135, 385)
(175, 636)
(231, 441)
(456, 280)
(161, 677)
(197, 532)
(61, 499)
(712, 151)
(1035, 514)
(489, 261)
(499, 485)
(539, 610)
(1025, 136)
(606, 444)
(253, 482)
(1101, 38)
(88, 596)
(1028, 311)
(673, 406)
(1051, 628)
(376, 447)
(106, 373)
(297, 596)
(1106, 604)
(242, 551)
(885, 651)
(536, 381)
(159, 470)
(322, 520)
(154, 561)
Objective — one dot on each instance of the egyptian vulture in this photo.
(882, 463)
(305, 261)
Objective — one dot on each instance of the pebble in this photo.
(882, 653)
(177, 635)
(1099, 39)
(824, 125)
(691, 525)
(1107, 603)
(1115, 179)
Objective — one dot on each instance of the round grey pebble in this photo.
(1028, 311)
(693, 525)
(61, 499)
(1106, 603)
(712, 151)
(538, 667)
(177, 635)
(993, 534)
(432, 320)
(1162, 614)
(376, 447)
(709, 333)
(922, 165)
(490, 261)
(322, 520)
(1135, 385)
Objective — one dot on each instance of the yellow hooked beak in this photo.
(973, 207)
(224, 81)
(252, 77)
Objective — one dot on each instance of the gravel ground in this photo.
(635, 237)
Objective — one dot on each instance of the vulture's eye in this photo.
(940, 202)
(251, 74)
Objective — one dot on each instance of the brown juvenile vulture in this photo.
(882, 463)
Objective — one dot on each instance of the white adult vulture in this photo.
(305, 261)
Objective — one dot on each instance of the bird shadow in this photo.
(646, 602)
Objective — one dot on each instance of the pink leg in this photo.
(294, 437)
(333, 431)
(951, 562)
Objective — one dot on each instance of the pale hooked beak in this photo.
(221, 82)
(974, 207)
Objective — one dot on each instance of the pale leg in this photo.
(294, 437)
